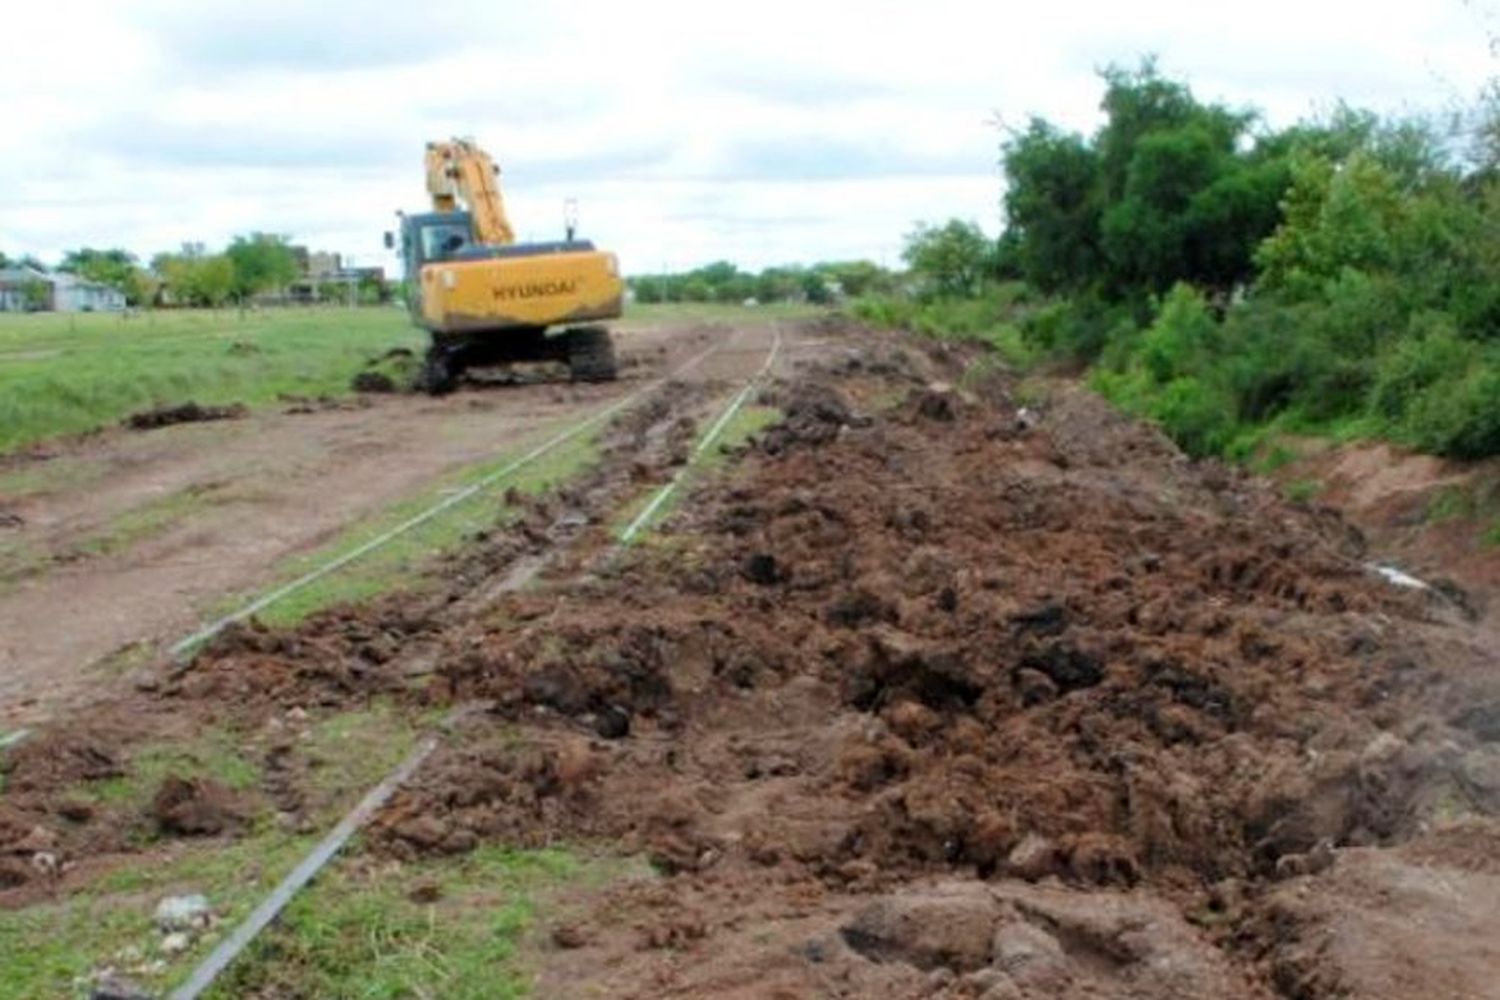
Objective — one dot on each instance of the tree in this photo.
(951, 260)
(260, 262)
(1053, 207)
(37, 293)
(195, 280)
(108, 267)
(855, 277)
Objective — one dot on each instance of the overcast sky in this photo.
(688, 132)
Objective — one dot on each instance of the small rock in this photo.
(1033, 858)
(39, 839)
(1030, 956)
(613, 723)
(424, 831)
(569, 936)
(145, 679)
(297, 713)
(76, 810)
(176, 943)
(1035, 687)
(425, 892)
(761, 568)
(940, 978)
(946, 925)
(1319, 859)
(44, 862)
(112, 987)
(982, 980)
(183, 913)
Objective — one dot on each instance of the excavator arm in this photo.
(459, 172)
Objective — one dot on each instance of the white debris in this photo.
(1398, 578)
(183, 913)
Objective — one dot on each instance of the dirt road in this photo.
(127, 540)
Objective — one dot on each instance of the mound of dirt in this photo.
(397, 370)
(196, 807)
(814, 413)
(185, 413)
(954, 639)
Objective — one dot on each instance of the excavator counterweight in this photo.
(487, 299)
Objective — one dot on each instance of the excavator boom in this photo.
(460, 172)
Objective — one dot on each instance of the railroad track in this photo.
(265, 913)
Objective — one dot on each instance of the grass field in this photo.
(64, 374)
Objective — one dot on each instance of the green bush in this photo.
(1416, 363)
(1078, 327)
(1458, 417)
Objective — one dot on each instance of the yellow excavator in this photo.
(488, 300)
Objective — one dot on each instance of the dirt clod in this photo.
(196, 807)
(184, 413)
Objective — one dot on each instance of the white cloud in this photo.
(688, 131)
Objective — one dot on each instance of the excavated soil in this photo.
(952, 648)
(939, 697)
(184, 413)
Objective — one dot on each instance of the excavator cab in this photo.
(428, 238)
(489, 300)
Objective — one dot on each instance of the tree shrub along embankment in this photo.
(1341, 276)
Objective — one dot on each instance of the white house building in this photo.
(25, 289)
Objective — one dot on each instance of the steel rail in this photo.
(704, 443)
(190, 642)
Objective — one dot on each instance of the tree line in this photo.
(1230, 280)
(193, 276)
(723, 281)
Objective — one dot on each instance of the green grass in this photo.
(1451, 503)
(1303, 490)
(212, 753)
(50, 947)
(401, 564)
(354, 750)
(357, 932)
(1276, 457)
(64, 374)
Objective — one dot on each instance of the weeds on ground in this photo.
(52, 949)
(448, 928)
(213, 753)
(1303, 490)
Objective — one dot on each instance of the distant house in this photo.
(25, 289)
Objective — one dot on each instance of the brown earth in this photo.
(1434, 518)
(931, 697)
(77, 592)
